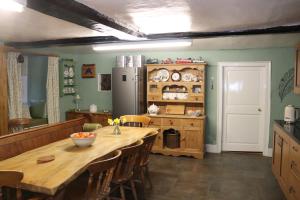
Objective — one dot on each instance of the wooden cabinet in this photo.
(191, 132)
(294, 176)
(179, 99)
(98, 117)
(286, 163)
(297, 72)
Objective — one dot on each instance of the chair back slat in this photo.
(146, 148)
(126, 164)
(136, 120)
(101, 170)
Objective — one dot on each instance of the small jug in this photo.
(93, 108)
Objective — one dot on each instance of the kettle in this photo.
(291, 114)
(93, 108)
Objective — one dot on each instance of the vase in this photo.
(117, 130)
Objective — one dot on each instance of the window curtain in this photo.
(24, 80)
(14, 86)
(53, 90)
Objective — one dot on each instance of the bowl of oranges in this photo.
(83, 139)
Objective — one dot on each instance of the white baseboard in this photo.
(212, 148)
(269, 153)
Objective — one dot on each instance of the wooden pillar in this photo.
(3, 93)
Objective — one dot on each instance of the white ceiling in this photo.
(160, 16)
(31, 25)
(238, 42)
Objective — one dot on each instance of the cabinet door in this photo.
(297, 73)
(285, 164)
(277, 155)
(192, 139)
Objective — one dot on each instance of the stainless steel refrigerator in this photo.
(128, 91)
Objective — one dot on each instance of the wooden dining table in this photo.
(70, 160)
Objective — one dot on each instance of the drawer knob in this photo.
(295, 149)
(192, 124)
(291, 190)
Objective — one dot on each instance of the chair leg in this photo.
(19, 194)
(122, 192)
(148, 176)
(133, 190)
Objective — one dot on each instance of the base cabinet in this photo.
(191, 131)
(286, 163)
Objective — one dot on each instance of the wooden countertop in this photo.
(177, 116)
(70, 161)
(292, 130)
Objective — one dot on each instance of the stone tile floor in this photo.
(226, 176)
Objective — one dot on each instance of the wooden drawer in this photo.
(171, 122)
(191, 124)
(294, 187)
(295, 153)
(154, 97)
(155, 121)
(197, 98)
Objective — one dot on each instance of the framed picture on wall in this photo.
(88, 71)
(104, 82)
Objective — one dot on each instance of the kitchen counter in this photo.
(293, 130)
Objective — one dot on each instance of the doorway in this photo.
(244, 106)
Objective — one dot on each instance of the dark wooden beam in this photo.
(77, 13)
(163, 36)
(195, 35)
(64, 42)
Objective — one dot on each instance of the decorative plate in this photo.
(187, 77)
(163, 74)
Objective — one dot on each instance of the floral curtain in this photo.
(14, 86)
(53, 90)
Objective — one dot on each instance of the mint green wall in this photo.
(66, 102)
(282, 59)
(37, 78)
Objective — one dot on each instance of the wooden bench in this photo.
(17, 143)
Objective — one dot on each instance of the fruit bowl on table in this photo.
(83, 139)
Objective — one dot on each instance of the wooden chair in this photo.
(136, 120)
(11, 179)
(124, 170)
(100, 173)
(18, 124)
(142, 165)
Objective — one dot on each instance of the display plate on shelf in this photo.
(163, 74)
(188, 77)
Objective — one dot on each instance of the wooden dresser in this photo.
(178, 90)
(286, 159)
(98, 117)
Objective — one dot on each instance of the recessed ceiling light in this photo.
(11, 5)
(143, 45)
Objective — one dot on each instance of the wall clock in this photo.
(176, 76)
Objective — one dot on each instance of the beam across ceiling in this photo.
(77, 13)
(164, 36)
(64, 42)
(195, 35)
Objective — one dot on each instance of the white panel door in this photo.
(244, 108)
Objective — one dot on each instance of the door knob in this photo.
(259, 110)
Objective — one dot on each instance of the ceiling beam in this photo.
(195, 35)
(64, 42)
(77, 13)
(163, 36)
